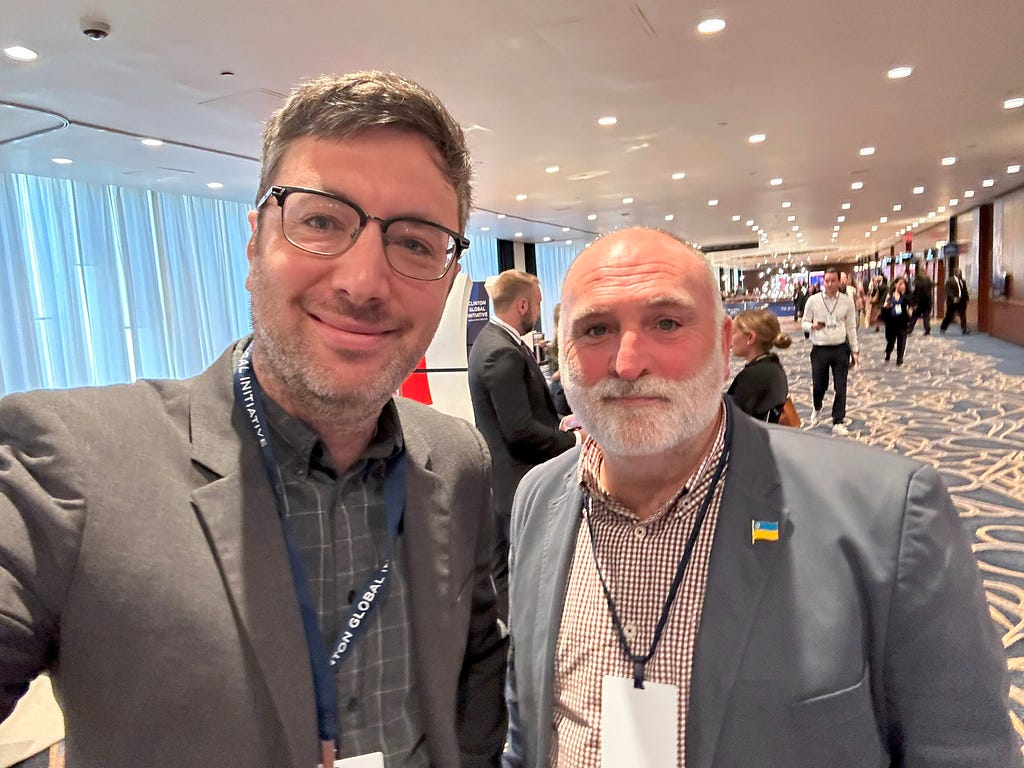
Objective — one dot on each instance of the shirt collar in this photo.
(508, 329)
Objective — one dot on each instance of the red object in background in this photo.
(417, 386)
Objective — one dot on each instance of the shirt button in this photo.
(629, 630)
(639, 532)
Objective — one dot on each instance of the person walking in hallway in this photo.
(921, 301)
(831, 319)
(956, 301)
(896, 316)
(760, 388)
(512, 404)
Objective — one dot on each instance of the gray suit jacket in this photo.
(142, 562)
(860, 638)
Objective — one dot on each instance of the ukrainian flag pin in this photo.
(763, 530)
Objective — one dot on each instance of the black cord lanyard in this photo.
(249, 397)
(640, 660)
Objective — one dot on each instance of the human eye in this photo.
(595, 331)
(417, 240)
(667, 324)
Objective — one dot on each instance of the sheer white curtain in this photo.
(481, 260)
(102, 284)
(553, 260)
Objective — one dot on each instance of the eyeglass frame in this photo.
(280, 192)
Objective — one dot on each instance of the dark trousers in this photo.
(955, 308)
(834, 359)
(925, 313)
(895, 336)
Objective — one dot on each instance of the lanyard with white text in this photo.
(248, 394)
(639, 660)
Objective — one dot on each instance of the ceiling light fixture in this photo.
(568, 242)
(736, 217)
(775, 182)
(857, 185)
(918, 190)
(678, 176)
(712, 202)
(20, 53)
(953, 202)
(565, 229)
(791, 218)
(749, 222)
(1015, 103)
(520, 197)
(931, 214)
(501, 216)
(756, 138)
(968, 193)
(988, 182)
(874, 227)
(711, 26)
(787, 204)
(883, 220)
(896, 208)
(840, 219)
(552, 169)
(61, 160)
(941, 209)
(547, 239)
(865, 151)
(591, 217)
(518, 234)
(951, 160)
(1015, 168)
(846, 206)
(627, 200)
(215, 185)
(898, 73)
(152, 142)
(606, 121)
(485, 229)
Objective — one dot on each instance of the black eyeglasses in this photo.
(328, 225)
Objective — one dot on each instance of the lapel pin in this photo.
(763, 530)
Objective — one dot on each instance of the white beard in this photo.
(688, 407)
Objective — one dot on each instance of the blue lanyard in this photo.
(639, 660)
(249, 396)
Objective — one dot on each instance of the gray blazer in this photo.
(142, 562)
(860, 638)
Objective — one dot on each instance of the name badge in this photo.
(374, 760)
(639, 726)
(831, 323)
(897, 309)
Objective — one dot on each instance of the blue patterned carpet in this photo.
(958, 404)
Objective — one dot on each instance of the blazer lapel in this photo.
(238, 514)
(738, 573)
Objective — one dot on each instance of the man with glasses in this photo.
(276, 563)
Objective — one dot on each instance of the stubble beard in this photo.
(689, 407)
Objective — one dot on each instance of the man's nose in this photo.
(631, 357)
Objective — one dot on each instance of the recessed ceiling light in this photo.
(840, 219)
(591, 217)
(736, 217)
(846, 206)
(865, 151)
(896, 207)
(669, 217)
(565, 229)
(61, 160)
(215, 185)
(627, 200)
(485, 229)
(951, 160)
(547, 239)
(968, 193)
(609, 120)
(791, 218)
(678, 175)
(712, 202)
(931, 214)
(552, 169)
(520, 197)
(988, 182)
(897, 73)
(883, 220)
(20, 53)
(756, 138)
(874, 227)
(941, 209)
(568, 242)
(918, 190)
(710, 26)
(836, 228)
(518, 234)
(501, 216)
(857, 185)
(1015, 168)
(953, 202)
(152, 142)
(775, 182)
(1014, 103)
(796, 227)
(867, 234)
(749, 222)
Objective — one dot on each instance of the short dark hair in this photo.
(335, 107)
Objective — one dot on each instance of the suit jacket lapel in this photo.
(238, 514)
(738, 573)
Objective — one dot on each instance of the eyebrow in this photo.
(655, 303)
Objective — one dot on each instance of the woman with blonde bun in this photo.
(761, 388)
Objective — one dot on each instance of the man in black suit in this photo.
(511, 402)
(956, 301)
(922, 301)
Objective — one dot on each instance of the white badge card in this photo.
(639, 726)
(375, 760)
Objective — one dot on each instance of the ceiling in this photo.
(529, 81)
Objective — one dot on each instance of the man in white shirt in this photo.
(831, 318)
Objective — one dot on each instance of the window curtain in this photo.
(481, 260)
(102, 284)
(553, 260)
